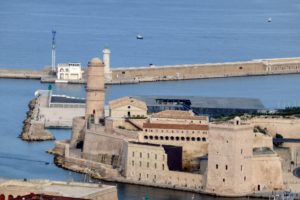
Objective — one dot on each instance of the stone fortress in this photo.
(169, 149)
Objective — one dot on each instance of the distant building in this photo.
(211, 106)
(69, 71)
(127, 107)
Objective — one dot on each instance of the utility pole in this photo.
(53, 51)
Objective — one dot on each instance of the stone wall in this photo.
(77, 131)
(267, 173)
(288, 128)
(147, 164)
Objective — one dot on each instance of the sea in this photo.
(175, 32)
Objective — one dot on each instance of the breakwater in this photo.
(210, 70)
(22, 73)
(153, 73)
(33, 129)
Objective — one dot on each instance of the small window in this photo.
(226, 167)
(147, 164)
(182, 138)
(155, 156)
(172, 138)
(146, 137)
(123, 72)
(161, 137)
(187, 138)
(245, 178)
(128, 107)
(155, 165)
(224, 180)
(241, 151)
(163, 166)
(133, 154)
(203, 139)
(132, 163)
(156, 137)
(241, 167)
(241, 67)
(140, 163)
(151, 137)
(141, 155)
(217, 166)
(148, 155)
(167, 137)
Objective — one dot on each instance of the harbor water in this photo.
(175, 32)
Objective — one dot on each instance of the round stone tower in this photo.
(106, 60)
(95, 91)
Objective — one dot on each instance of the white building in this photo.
(69, 71)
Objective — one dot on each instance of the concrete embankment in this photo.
(32, 129)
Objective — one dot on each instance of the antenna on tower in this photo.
(53, 50)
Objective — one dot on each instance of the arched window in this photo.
(177, 138)
(151, 137)
(161, 137)
(193, 138)
(156, 137)
(187, 138)
(172, 138)
(203, 139)
(182, 138)
(198, 139)
(146, 137)
(167, 137)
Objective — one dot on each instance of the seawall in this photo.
(209, 70)
(22, 73)
(128, 75)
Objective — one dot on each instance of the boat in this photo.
(269, 19)
(139, 37)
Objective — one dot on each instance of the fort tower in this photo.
(95, 91)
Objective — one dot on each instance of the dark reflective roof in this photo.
(205, 102)
(66, 99)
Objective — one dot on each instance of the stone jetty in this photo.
(33, 130)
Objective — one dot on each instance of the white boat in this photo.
(139, 37)
(269, 19)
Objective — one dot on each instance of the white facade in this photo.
(69, 71)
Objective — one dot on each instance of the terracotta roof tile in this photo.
(176, 126)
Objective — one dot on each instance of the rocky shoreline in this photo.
(33, 130)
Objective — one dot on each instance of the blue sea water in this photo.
(175, 32)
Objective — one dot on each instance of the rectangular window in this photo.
(140, 163)
(217, 166)
(132, 163)
(226, 167)
(141, 154)
(241, 167)
(147, 164)
(133, 154)
(148, 155)
(155, 156)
